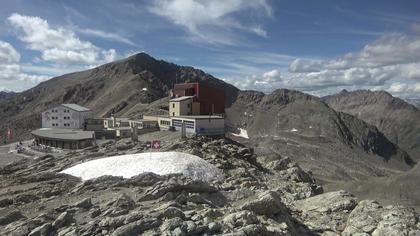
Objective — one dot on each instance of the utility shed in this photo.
(64, 138)
(200, 125)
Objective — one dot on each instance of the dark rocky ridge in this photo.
(397, 119)
(300, 125)
(5, 95)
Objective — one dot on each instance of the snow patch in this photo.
(243, 133)
(161, 163)
(294, 130)
(144, 89)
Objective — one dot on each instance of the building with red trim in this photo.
(196, 99)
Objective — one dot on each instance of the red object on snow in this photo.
(156, 144)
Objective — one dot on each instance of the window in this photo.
(189, 124)
(177, 123)
(165, 122)
(189, 105)
(173, 105)
(173, 113)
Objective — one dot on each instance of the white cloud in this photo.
(57, 44)
(300, 65)
(402, 89)
(392, 63)
(390, 49)
(212, 21)
(106, 35)
(8, 54)
(9, 66)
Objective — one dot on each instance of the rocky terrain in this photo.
(334, 145)
(397, 119)
(258, 195)
(5, 95)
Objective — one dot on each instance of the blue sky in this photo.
(319, 47)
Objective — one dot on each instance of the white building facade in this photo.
(66, 116)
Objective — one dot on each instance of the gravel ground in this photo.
(5, 157)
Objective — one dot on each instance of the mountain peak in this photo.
(396, 118)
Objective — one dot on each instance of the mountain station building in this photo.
(66, 116)
(62, 127)
(64, 138)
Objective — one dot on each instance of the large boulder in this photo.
(398, 220)
(364, 218)
(177, 183)
(267, 203)
(64, 219)
(326, 212)
(240, 219)
(43, 230)
(85, 203)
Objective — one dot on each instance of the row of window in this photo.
(188, 124)
(56, 125)
(188, 105)
(165, 122)
(56, 110)
(56, 117)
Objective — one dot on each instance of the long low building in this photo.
(206, 125)
(64, 138)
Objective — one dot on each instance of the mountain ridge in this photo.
(132, 86)
(292, 123)
(110, 88)
(397, 119)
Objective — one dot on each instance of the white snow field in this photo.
(160, 163)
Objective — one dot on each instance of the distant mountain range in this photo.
(348, 136)
(415, 102)
(6, 94)
(334, 145)
(397, 119)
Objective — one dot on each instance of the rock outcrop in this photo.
(256, 196)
